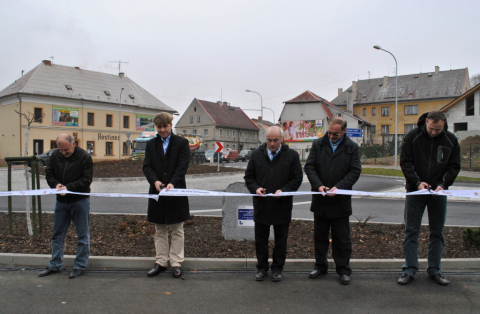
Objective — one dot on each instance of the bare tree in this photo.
(31, 118)
(475, 79)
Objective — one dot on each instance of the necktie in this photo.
(273, 155)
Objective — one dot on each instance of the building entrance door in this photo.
(37, 147)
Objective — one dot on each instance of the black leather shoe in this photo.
(177, 272)
(314, 274)
(48, 271)
(76, 272)
(438, 278)
(405, 279)
(345, 279)
(156, 270)
(261, 275)
(277, 276)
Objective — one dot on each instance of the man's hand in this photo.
(424, 186)
(61, 187)
(278, 191)
(325, 189)
(439, 188)
(331, 192)
(169, 186)
(261, 191)
(158, 186)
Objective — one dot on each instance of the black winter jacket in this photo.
(340, 169)
(74, 172)
(434, 160)
(284, 173)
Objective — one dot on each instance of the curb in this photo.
(145, 263)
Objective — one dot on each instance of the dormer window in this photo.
(131, 96)
(107, 93)
(68, 87)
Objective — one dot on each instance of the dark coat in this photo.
(167, 168)
(74, 172)
(434, 160)
(284, 173)
(340, 169)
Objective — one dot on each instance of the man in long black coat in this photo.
(333, 163)
(166, 162)
(273, 168)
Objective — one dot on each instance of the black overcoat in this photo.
(340, 169)
(284, 173)
(167, 168)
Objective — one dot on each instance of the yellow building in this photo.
(83, 103)
(374, 100)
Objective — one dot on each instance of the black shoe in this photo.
(405, 279)
(177, 272)
(156, 270)
(345, 279)
(48, 271)
(76, 272)
(277, 276)
(438, 278)
(261, 275)
(314, 274)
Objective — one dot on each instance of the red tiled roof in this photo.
(227, 116)
(306, 96)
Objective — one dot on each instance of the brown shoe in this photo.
(156, 270)
(177, 272)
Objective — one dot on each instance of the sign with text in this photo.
(145, 123)
(65, 116)
(354, 132)
(245, 216)
(302, 131)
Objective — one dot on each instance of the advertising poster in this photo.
(65, 116)
(145, 123)
(302, 131)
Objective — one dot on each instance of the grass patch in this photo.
(399, 173)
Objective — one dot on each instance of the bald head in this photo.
(274, 138)
(274, 131)
(65, 138)
(65, 144)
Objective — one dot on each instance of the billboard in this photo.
(145, 123)
(65, 116)
(302, 131)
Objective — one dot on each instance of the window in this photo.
(221, 132)
(206, 147)
(233, 134)
(109, 148)
(228, 133)
(254, 135)
(53, 144)
(90, 118)
(38, 115)
(184, 131)
(126, 149)
(228, 145)
(364, 111)
(234, 147)
(109, 120)
(411, 109)
(385, 129)
(126, 122)
(463, 126)
(205, 132)
(409, 127)
(198, 119)
(385, 111)
(374, 111)
(240, 134)
(373, 128)
(194, 132)
(469, 106)
(191, 119)
(91, 147)
(251, 135)
(339, 115)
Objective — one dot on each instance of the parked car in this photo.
(209, 154)
(44, 159)
(244, 155)
(230, 155)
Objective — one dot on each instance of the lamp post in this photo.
(120, 126)
(396, 102)
(261, 109)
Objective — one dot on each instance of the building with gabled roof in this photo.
(374, 99)
(83, 103)
(305, 118)
(219, 122)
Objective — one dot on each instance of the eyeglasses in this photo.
(64, 150)
(273, 140)
(333, 133)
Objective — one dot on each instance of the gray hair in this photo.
(66, 137)
(437, 116)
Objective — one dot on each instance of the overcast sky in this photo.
(213, 50)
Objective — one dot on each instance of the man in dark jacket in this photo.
(333, 163)
(70, 169)
(272, 168)
(430, 159)
(166, 162)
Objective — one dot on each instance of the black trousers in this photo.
(262, 232)
(341, 243)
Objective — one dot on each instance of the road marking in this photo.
(206, 210)
(301, 203)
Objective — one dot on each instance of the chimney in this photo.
(225, 103)
(219, 103)
(340, 91)
(385, 81)
(352, 94)
(354, 90)
(437, 69)
(78, 68)
(259, 118)
(121, 74)
(47, 62)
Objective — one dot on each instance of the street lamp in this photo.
(273, 112)
(261, 109)
(396, 101)
(120, 126)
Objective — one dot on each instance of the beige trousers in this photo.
(173, 252)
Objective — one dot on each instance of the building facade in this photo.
(82, 103)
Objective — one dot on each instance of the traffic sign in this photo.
(218, 147)
(354, 132)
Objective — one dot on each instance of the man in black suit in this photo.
(166, 162)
